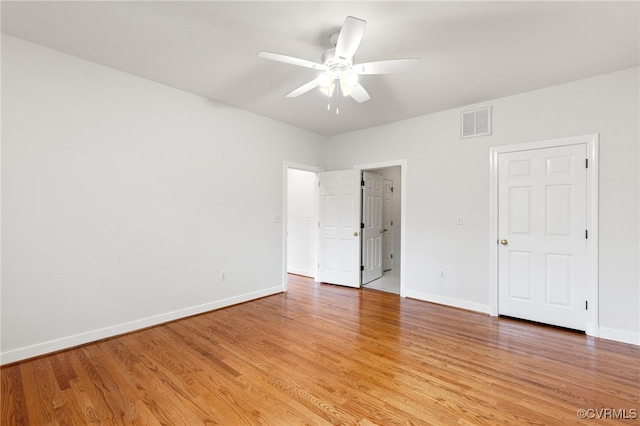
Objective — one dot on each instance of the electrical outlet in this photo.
(223, 275)
(442, 273)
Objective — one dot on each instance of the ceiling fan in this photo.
(339, 73)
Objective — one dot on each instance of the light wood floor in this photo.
(322, 354)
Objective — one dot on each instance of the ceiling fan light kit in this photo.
(338, 70)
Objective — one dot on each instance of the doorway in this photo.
(394, 218)
(397, 170)
(301, 217)
(299, 254)
(391, 223)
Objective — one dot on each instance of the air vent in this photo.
(475, 123)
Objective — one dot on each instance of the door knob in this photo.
(504, 242)
(355, 234)
(383, 231)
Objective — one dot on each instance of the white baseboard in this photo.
(619, 335)
(456, 303)
(107, 332)
(302, 272)
(592, 330)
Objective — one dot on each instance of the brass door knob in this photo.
(355, 234)
(504, 242)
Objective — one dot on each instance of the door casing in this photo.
(591, 141)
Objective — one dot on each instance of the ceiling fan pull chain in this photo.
(337, 97)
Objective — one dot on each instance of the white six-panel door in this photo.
(387, 223)
(542, 241)
(372, 231)
(339, 227)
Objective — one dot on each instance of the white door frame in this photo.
(285, 220)
(591, 141)
(403, 210)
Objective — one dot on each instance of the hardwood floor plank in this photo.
(323, 354)
(146, 417)
(82, 404)
(13, 408)
(89, 388)
(47, 404)
(62, 369)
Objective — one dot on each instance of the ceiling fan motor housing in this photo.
(333, 38)
(336, 65)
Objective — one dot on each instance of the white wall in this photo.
(447, 177)
(301, 219)
(124, 199)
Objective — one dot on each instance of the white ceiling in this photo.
(471, 51)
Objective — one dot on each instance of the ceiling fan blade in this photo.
(387, 67)
(291, 60)
(359, 94)
(304, 88)
(349, 38)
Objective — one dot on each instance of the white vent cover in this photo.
(475, 123)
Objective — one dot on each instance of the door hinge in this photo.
(392, 189)
(362, 183)
(586, 305)
(391, 255)
(362, 267)
(586, 163)
(361, 225)
(391, 223)
(586, 234)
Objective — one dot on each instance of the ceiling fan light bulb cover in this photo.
(328, 91)
(350, 78)
(325, 79)
(346, 89)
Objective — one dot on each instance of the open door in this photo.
(387, 224)
(339, 227)
(372, 230)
